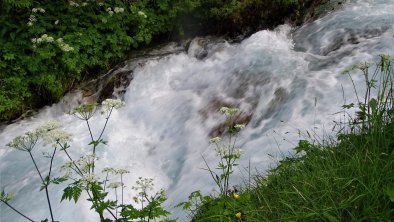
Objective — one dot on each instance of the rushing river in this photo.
(286, 82)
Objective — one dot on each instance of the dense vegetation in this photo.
(48, 47)
(345, 178)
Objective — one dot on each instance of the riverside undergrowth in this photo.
(48, 47)
(348, 177)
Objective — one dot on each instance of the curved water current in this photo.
(283, 80)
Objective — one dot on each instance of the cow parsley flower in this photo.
(35, 10)
(115, 185)
(229, 111)
(48, 126)
(143, 184)
(32, 18)
(87, 181)
(214, 140)
(108, 170)
(57, 136)
(141, 13)
(121, 171)
(118, 10)
(84, 111)
(109, 104)
(74, 4)
(222, 150)
(25, 142)
(239, 126)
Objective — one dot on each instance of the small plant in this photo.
(373, 111)
(228, 154)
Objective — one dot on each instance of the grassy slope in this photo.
(350, 178)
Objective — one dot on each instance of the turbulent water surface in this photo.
(283, 81)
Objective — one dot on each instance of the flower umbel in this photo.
(109, 104)
(57, 136)
(115, 185)
(85, 111)
(214, 140)
(25, 142)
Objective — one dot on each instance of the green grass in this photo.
(347, 178)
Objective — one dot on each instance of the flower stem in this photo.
(45, 185)
(17, 211)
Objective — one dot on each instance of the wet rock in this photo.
(202, 48)
(320, 8)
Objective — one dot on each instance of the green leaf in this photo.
(9, 56)
(330, 218)
(71, 192)
(58, 180)
(390, 193)
(303, 145)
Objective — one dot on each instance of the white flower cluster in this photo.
(87, 180)
(35, 10)
(118, 10)
(224, 150)
(56, 22)
(143, 185)
(48, 126)
(49, 131)
(112, 103)
(25, 142)
(57, 136)
(109, 104)
(121, 171)
(229, 111)
(239, 126)
(109, 10)
(108, 170)
(32, 18)
(115, 185)
(49, 39)
(215, 140)
(73, 4)
(64, 46)
(141, 13)
(86, 162)
(83, 164)
(43, 38)
(238, 152)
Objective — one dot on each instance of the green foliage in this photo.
(224, 206)
(348, 179)
(72, 192)
(47, 47)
